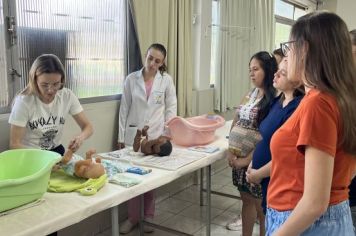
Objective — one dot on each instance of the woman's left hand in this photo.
(56, 167)
(252, 176)
(230, 158)
(75, 143)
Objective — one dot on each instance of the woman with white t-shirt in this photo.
(39, 112)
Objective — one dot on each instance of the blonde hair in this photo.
(46, 63)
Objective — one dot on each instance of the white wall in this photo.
(347, 10)
(329, 5)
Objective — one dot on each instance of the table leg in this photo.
(142, 207)
(201, 186)
(208, 199)
(115, 221)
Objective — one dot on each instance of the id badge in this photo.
(158, 97)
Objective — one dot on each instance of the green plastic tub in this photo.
(24, 176)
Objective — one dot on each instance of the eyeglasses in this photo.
(54, 86)
(285, 47)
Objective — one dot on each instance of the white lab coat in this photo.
(136, 111)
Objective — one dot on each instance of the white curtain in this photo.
(169, 22)
(246, 27)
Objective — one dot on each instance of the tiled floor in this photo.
(184, 213)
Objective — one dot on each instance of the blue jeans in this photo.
(335, 221)
(353, 214)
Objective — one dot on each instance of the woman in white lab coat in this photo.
(149, 98)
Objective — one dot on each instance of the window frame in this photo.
(13, 60)
(288, 21)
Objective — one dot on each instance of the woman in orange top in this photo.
(352, 187)
(313, 153)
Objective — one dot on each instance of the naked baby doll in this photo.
(161, 146)
(89, 168)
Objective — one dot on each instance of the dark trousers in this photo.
(59, 149)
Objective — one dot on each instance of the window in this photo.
(282, 33)
(286, 13)
(87, 35)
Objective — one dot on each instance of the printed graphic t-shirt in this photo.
(44, 122)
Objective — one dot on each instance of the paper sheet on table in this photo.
(178, 158)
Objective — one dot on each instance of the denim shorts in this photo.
(335, 221)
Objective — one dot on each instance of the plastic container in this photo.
(193, 131)
(24, 175)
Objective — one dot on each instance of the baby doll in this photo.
(90, 167)
(76, 166)
(160, 146)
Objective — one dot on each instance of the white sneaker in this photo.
(148, 229)
(126, 227)
(235, 224)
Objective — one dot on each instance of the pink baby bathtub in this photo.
(193, 131)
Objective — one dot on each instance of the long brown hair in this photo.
(325, 40)
(46, 63)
